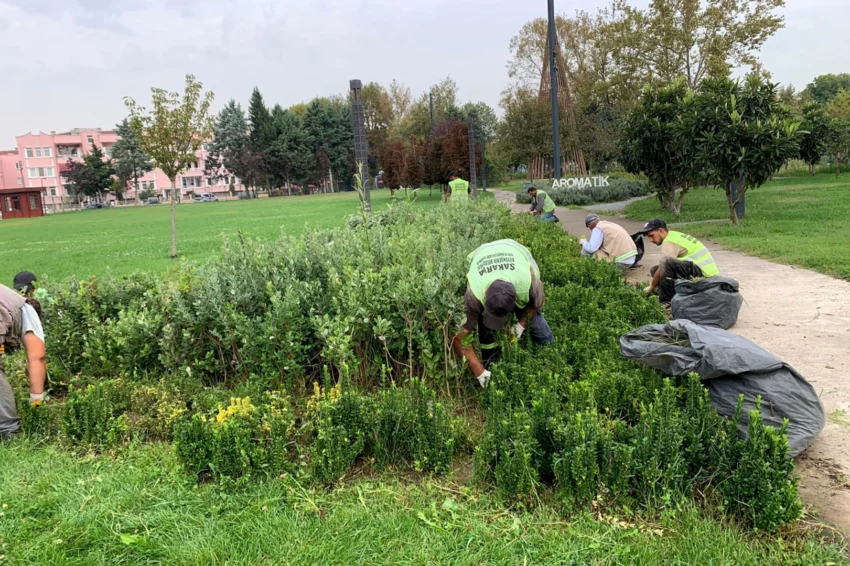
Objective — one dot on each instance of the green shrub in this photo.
(342, 422)
(758, 482)
(154, 411)
(96, 415)
(413, 428)
(239, 441)
(618, 189)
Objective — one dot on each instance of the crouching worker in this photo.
(503, 279)
(609, 242)
(682, 257)
(19, 326)
(542, 205)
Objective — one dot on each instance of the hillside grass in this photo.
(140, 508)
(799, 220)
(123, 240)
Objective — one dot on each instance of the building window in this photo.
(50, 171)
(233, 180)
(38, 152)
(191, 182)
(33, 202)
(90, 140)
(51, 191)
(29, 152)
(47, 152)
(33, 172)
(9, 204)
(18, 165)
(16, 203)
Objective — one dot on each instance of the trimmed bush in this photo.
(617, 190)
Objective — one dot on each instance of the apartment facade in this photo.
(38, 161)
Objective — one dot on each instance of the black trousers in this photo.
(671, 270)
(488, 339)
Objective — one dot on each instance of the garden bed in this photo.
(303, 357)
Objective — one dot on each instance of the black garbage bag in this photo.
(711, 301)
(730, 365)
(638, 240)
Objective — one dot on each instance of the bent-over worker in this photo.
(682, 257)
(503, 279)
(609, 242)
(19, 326)
(458, 190)
(542, 205)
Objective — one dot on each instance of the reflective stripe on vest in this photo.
(697, 253)
(504, 260)
(548, 203)
(625, 256)
(460, 190)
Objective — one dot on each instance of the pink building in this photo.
(39, 160)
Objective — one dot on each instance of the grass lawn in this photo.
(124, 240)
(139, 508)
(796, 220)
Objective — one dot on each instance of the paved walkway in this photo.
(801, 316)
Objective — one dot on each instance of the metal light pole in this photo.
(553, 86)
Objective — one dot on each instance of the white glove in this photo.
(648, 290)
(484, 378)
(518, 330)
(36, 399)
(582, 240)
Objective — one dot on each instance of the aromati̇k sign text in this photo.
(580, 182)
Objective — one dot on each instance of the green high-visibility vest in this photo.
(460, 190)
(504, 260)
(697, 252)
(548, 203)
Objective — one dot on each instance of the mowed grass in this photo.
(124, 240)
(140, 508)
(799, 221)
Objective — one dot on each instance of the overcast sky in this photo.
(68, 63)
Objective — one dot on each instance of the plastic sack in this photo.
(730, 365)
(712, 301)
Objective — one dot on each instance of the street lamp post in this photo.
(553, 86)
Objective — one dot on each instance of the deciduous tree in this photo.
(816, 132)
(824, 88)
(172, 131)
(91, 177)
(743, 134)
(129, 160)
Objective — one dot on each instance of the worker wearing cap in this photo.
(609, 242)
(542, 205)
(503, 279)
(20, 325)
(458, 190)
(682, 257)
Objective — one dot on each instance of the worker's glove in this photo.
(648, 290)
(518, 330)
(484, 378)
(582, 240)
(36, 399)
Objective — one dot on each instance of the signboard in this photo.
(580, 182)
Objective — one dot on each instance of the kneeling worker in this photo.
(19, 326)
(682, 257)
(542, 205)
(609, 242)
(503, 279)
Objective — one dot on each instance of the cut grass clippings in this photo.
(799, 221)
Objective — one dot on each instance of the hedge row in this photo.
(617, 190)
(314, 354)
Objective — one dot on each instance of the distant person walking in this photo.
(682, 257)
(542, 205)
(609, 242)
(457, 191)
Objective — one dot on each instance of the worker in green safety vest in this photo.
(458, 190)
(503, 279)
(542, 205)
(682, 257)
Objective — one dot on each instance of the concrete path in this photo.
(801, 316)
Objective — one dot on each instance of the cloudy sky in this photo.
(68, 63)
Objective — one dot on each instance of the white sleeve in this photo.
(595, 242)
(30, 322)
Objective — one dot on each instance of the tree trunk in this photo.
(173, 220)
(811, 169)
(136, 190)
